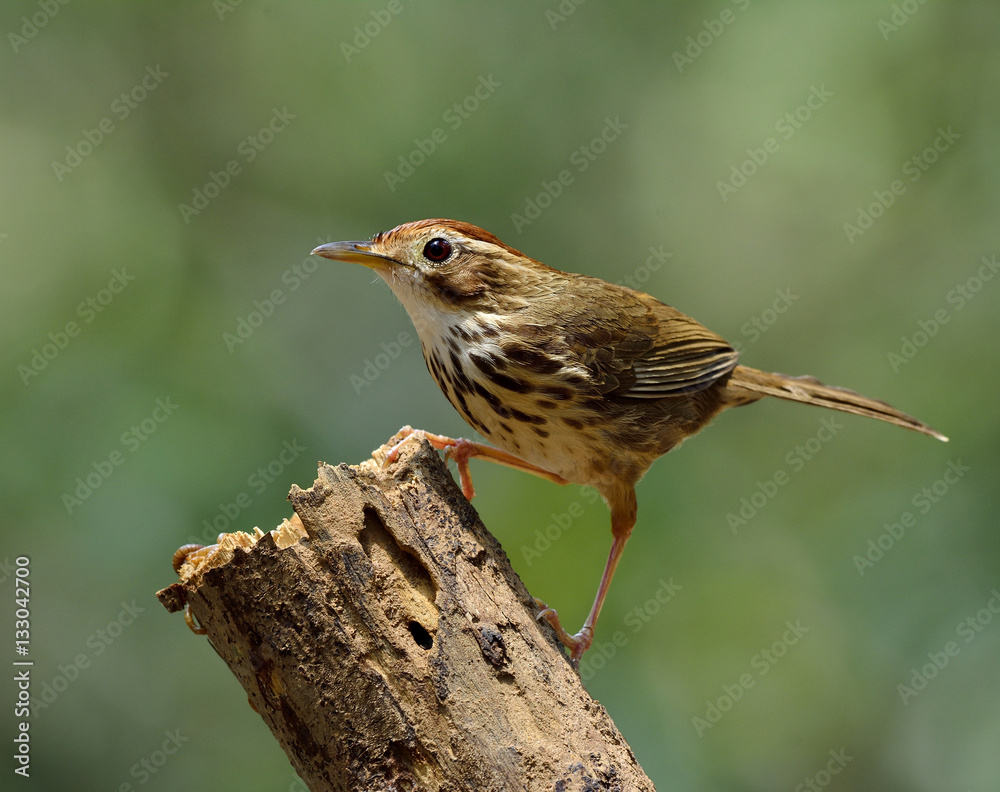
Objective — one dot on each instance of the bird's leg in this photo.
(623, 514)
(462, 450)
(580, 643)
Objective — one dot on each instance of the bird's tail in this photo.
(747, 384)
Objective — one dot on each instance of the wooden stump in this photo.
(386, 641)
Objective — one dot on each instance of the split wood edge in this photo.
(384, 638)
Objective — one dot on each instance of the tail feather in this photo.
(748, 384)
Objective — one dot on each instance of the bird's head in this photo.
(446, 266)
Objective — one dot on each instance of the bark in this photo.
(386, 641)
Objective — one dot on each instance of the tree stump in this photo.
(386, 641)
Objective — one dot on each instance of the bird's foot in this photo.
(456, 448)
(577, 644)
(462, 450)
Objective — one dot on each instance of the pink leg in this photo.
(462, 450)
(623, 514)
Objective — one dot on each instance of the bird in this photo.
(569, 377)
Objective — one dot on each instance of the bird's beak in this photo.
(353, 253)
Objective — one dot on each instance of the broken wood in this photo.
(386, 641)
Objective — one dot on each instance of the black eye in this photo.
(437, 249)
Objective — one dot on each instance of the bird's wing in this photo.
(652, 352)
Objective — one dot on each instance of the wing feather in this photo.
(658, 352)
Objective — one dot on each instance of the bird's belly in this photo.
(534, 419)
(518, 424)
(550, 444)
(562, 439)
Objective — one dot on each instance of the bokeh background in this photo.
(316, 114)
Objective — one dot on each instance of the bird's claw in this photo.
(459, 449)
(393, 453)
(577, 644)
(460, 452)
(192, 622)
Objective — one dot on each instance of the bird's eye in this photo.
(437, 250)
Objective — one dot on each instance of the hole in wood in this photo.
(420, 635)
(390, 561)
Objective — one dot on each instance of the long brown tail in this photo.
(747, 384)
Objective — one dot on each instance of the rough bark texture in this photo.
(389, 645)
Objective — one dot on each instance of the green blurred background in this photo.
(690, 89)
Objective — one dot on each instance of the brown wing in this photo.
(653, 351)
